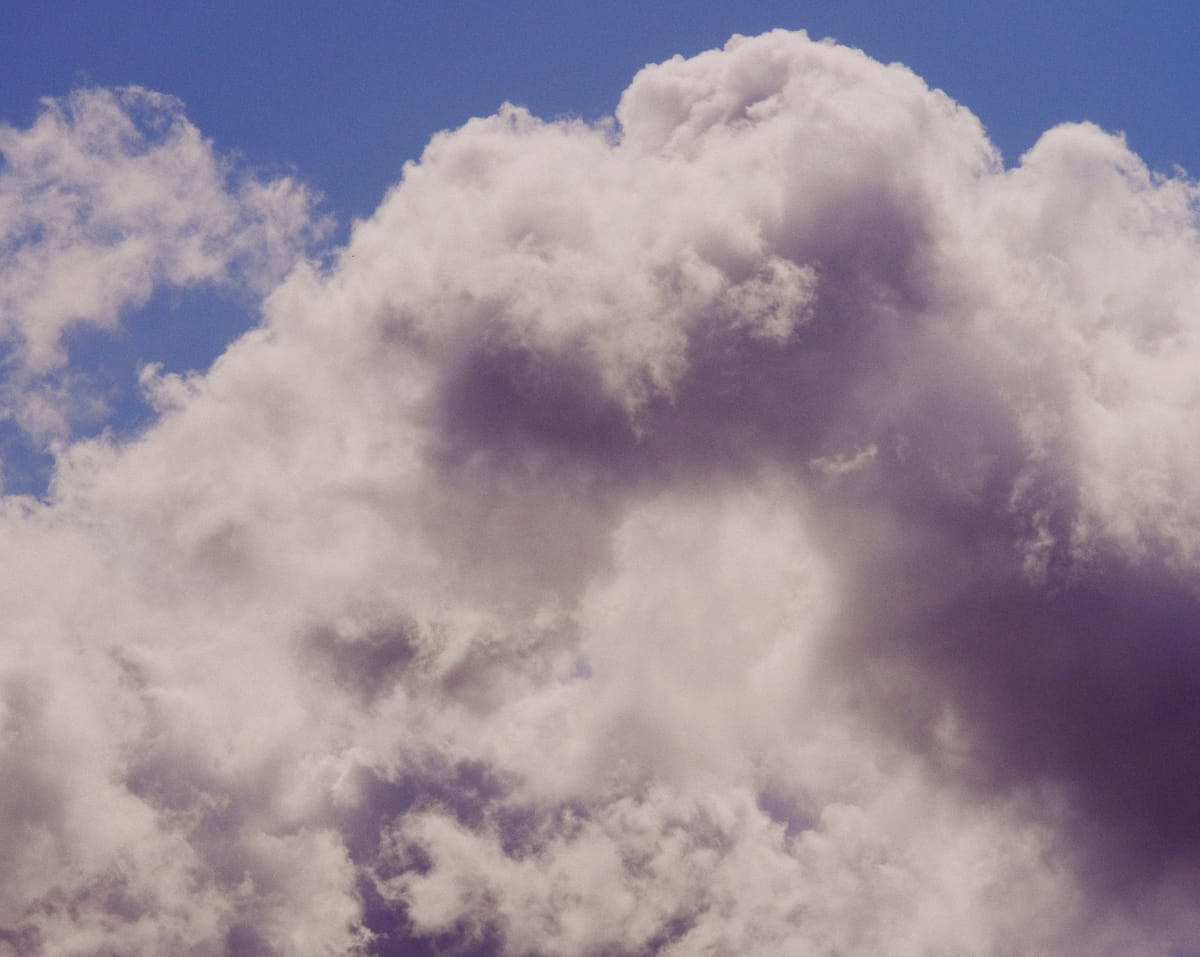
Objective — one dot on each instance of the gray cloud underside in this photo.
(763, 524)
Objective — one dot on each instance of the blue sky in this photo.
(344, 93)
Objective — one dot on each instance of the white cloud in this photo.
(748, 527)
(109, 195)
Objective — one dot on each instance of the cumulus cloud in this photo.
(109, 195)
(761, 523)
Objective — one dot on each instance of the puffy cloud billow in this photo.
(109, 195)
(759, 524)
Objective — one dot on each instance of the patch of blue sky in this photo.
(347, 92)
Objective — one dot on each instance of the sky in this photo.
(347, 94)
(557, 480)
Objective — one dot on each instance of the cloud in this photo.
(109, 195)
(761, 523)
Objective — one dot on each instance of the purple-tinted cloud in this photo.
(758, 524)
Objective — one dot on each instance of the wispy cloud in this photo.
(109, 195)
